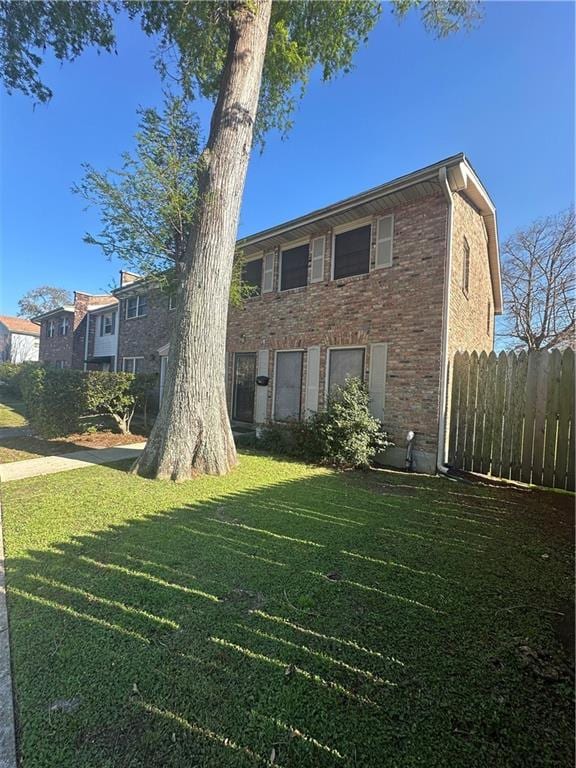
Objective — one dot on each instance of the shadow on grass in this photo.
(296, 624)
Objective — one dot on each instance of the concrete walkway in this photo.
(7, 433)
(49, 465)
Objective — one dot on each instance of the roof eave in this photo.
(429, 173)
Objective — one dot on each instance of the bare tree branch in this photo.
(539, 284)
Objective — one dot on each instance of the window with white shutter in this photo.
(268, 273)
(384, 241)
(318, 247)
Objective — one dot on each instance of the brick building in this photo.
(385, 286)
(63, 331)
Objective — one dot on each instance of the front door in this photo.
(244, 386)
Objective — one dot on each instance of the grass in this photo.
(290, 616)
(12, 412)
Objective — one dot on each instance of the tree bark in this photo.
(192, 434)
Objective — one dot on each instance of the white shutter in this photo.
(261, 402)
(377, 379)
(384, 241)
(318, 248)
(268, 273)
(312, 380)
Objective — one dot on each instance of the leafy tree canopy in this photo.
(194, 38)
(147, 206)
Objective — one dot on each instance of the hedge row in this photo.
(56, 400)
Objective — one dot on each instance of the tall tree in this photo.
(147, 205)
(42, 299)
(539, 284)
(249, 57)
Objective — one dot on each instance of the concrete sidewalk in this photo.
(49, 465)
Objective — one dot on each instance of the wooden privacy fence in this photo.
(512, 416)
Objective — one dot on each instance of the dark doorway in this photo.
(244, 386)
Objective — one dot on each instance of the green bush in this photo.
(56, 400)
(11, 376)
(118, 395)
(344, 435)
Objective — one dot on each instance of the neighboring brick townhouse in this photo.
(146, 310)
(63, 332)
(386, 286)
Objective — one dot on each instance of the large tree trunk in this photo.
(192, 433)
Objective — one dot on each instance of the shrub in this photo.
(117, 395)
(344, 435)
(11, 376)
(57, 400)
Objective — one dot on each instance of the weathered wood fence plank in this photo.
(512, 416)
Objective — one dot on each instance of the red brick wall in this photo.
(468, 326)
(57, 347)
(400, 305)
(143, 336)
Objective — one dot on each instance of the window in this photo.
(50, 327)
(352, 252)
(488, 318)
(288, 385)
(252, 275)
(63, 326)
(60, 364)
(107, 323)
(294, 267)
(344, 363)
(132, 364)
(172, 301)
(136, 306)
(466, 268)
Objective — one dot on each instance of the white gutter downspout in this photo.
(441, 456)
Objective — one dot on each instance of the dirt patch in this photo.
(22, 448)
(103, 440)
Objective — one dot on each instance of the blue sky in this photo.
(503, 94)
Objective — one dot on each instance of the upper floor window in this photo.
(466, 267)
(63, 326)
(50, 328)
(252, 275)
(136, 306)
(107, 323)
(132, 364)
(294, 267)
(352, 252)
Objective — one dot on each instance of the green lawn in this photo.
(11, 412)
(287, 615)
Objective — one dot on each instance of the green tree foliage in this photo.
(194, 37)
(118, 395)
(43, 299)
(147, 206)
